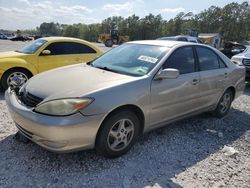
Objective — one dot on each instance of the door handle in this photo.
(195, 81)
(225, 74)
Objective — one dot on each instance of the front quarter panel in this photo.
(135, 93)
(8, 63)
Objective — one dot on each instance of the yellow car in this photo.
(43, 54)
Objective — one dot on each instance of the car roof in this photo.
(166, 43)
(68, 39)
(61, 39)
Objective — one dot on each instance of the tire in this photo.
(117, 134)
(22, 74)
(224, 104)
(109, 43)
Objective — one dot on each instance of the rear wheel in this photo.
(118, 134)
(109, 43)
(15, 78)
(224, 104)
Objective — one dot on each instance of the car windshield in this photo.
(248, 49)
(131, 59)
(32, 47)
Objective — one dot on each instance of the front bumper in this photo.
(57, 134)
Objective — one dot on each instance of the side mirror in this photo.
(46, 52)
(167, 74)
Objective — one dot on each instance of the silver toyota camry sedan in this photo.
(134, 88)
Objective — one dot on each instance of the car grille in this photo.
(29, 99)
(246, 62)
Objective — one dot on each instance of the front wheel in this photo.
(118, 134)
(14, 78)
(224, 104)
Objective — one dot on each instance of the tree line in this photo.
(232, 21)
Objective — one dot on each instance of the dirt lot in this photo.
(189, 153)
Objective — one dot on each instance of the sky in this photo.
(28, 14)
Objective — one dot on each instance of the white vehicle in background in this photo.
(243, 59)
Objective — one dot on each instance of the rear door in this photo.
(171, 98)
(213, 72)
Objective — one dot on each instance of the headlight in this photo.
(237, 61)
(63, 107)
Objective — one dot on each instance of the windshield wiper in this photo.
(105, 68)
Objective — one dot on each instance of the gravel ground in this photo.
(201, 151)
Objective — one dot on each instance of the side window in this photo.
(222, 64)
(56, 48)
(181, 59)
(208, 60)
(82, 49)
(183, 39)
(63, 48)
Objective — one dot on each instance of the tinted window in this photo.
(181, 59)
(222, 64)
(61, 48)
(182, 39)
(208, 60)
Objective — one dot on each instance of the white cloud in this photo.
(32, 14)
(118, 7)
(76, 8)
(24, 1)
(172, 10)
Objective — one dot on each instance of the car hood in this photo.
(243, 55)
(73, 81)
(11, 54)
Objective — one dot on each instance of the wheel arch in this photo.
(18, 68)
(232, 88)
(135, 109)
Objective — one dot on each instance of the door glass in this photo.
(63, 48)
(182, 39)
(222, 64)
(181, 59)
(208, 60)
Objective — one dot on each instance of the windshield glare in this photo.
(248, 49)
(33, 46)
(131, 59)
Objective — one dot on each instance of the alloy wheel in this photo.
(225, 103)
(16, 79)
(120, 134)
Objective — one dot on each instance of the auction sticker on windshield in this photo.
(148, 59)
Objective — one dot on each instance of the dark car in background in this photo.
(232, 48)
(183, 38)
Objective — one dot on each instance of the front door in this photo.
(65, 53)
(171, 98)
